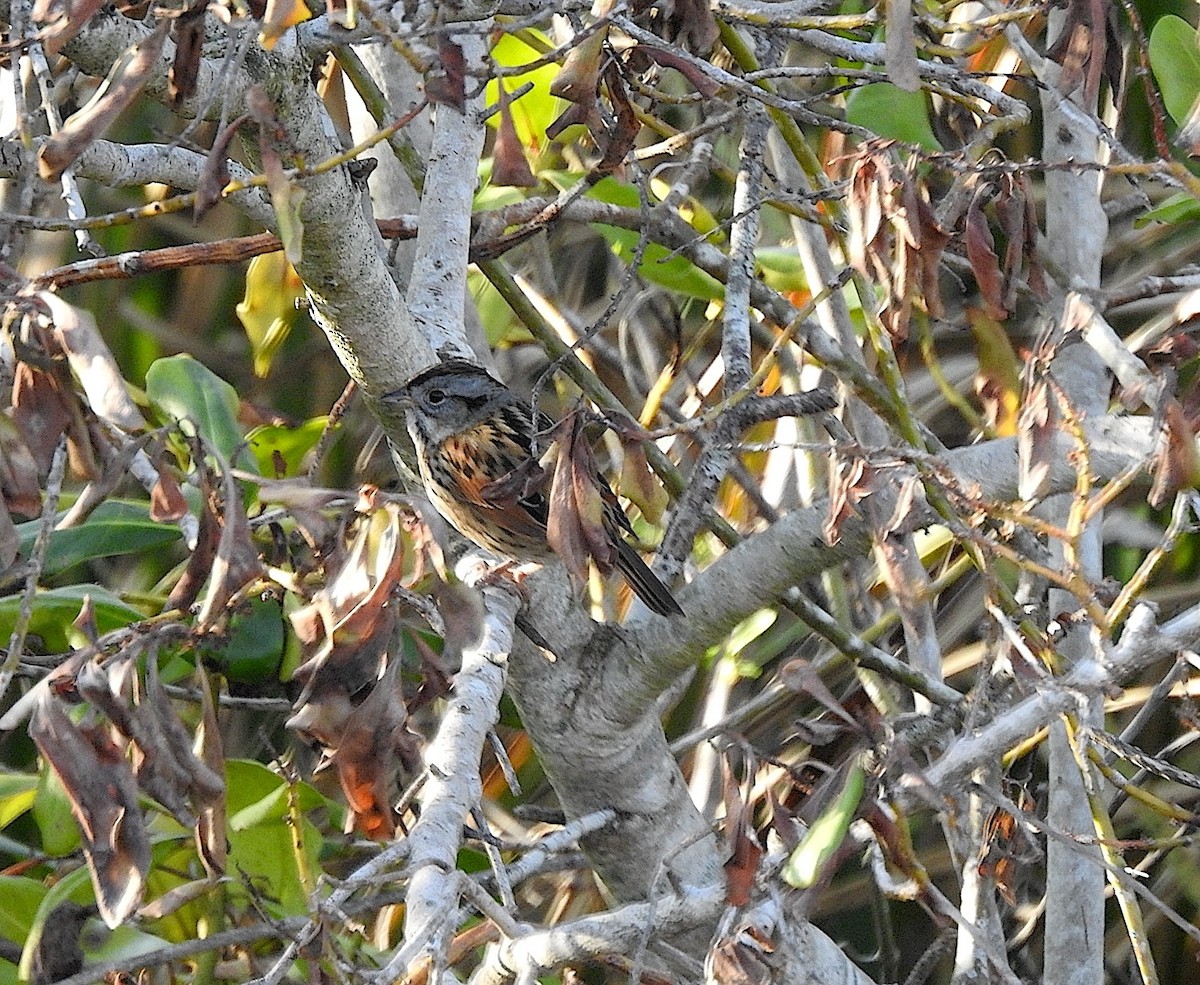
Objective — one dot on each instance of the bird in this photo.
(470, 432)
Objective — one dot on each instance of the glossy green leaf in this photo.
(116, 527)
(892, 112)
(55, 609)
(181, 389)
(1175, 61)
(17, 793)
(274, 445)
(826, 834)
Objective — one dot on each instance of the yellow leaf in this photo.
(280, 16)
(268, 308)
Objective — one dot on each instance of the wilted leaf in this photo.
(742, 958)
(981, 252)
(19, 485)
(42, 410)
(125, 80)
(268, 307)
(998, 382)
(104, 800)
(799, 675)
(287, 197)
(449, 86)
(374, 740)
(214, 176)
(576, 527)
(509, 167)
(688, 23)
(281, 16)
(167, 504)
(639, 484)
(92, 362)
(703, 83)
(579, 76)
(61, 20)
(624, 131)
(743, 850)
(189, 41)
(1176, 464)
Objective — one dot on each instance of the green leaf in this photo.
(892, 112)
(1177, 208)
(19, 901)
(676, 274)
(826, 834)
(17, 793)
(536, 109)
(782, 269)
(181, 389)
(1175, 61)
(274, 445)
(52, 812)
(116, 527)
(260, 835)
(255, 647)
(56, 608)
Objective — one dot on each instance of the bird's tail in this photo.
(645, 583)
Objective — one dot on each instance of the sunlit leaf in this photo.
(54, 609)
(826, 834)
(181, 389)
(116, 527)
(534, 110)
(268, 309)
(1175, 60)
(891, 112)
(280, 450)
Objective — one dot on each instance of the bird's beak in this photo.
(399, 398)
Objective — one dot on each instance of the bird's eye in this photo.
(436, 397)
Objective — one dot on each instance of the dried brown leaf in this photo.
(214, 176)
(78, 336)
(61, 20)
(19, 485)
(189, 40)
(624, 132)
(375, 734)
(104, 800)
(579, 76)
(449, 86)
(41, 411)
(981, 252)
(509, 166)
(703, 83)
(1176, 464)
(744, 852)
(129, 73)
(167, 504)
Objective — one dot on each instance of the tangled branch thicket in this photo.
(882, 322)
